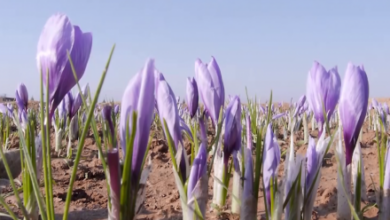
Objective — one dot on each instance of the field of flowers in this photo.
(208, 156)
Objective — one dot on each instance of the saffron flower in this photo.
(138, 97)
(192, 96)
(167, 110)
(21, 97)
(210, 86)
(271, 160)
(60, 36)
(353, 106)
(323, 92)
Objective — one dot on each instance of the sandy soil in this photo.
(89, 200)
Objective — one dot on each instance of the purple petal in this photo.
(106, 115)
(271, 160)
(279, 115)
(76, 105)
(167, 108)
(116, 109)
(198, 169)
(211, 88)
(139, 97)
(374, 103)
(323, 88)
(58, 37)
(22, 96)
(353, 106)
(232, 138)
(115, 180)
(184, 127)
(192, 96)
(312, 161)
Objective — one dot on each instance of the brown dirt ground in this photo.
(89, 199)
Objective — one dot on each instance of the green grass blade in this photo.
(84, 134)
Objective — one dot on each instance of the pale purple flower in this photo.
(21, 96)
(60, 36)
(232, 137)
(192, 96)
(322, 91)
(116, 109)
(138, 97)
(385, 108)
(248, 182)
(167, 109)
(198, 169)
(107, 117)
(374, 104)
(271, 160)
(210, 86)
(353, 106)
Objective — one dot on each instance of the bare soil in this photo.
(89, 199)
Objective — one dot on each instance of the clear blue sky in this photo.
(263, 45)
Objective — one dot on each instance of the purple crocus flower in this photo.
(198, 169)
(232, 137)
(300, 105)
(116, 109)
(211, 88)
(385, 108)
(6, 110)
(138, 97)
(374, 104)
(248, 209)
(312, 162)
(353, 106)
(167, 109)
(23, 119)
(184, 127)
(198, 179)
(197, 183)
(115, 182)
(77, 102)
(21, 96)
(262, 109)
(72, 104)
(107, 116)
(277, 116)
(10, 108)
(58, 37)
(271, 160)
(323, 88)
(192, 96)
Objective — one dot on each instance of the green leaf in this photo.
(82, 138)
